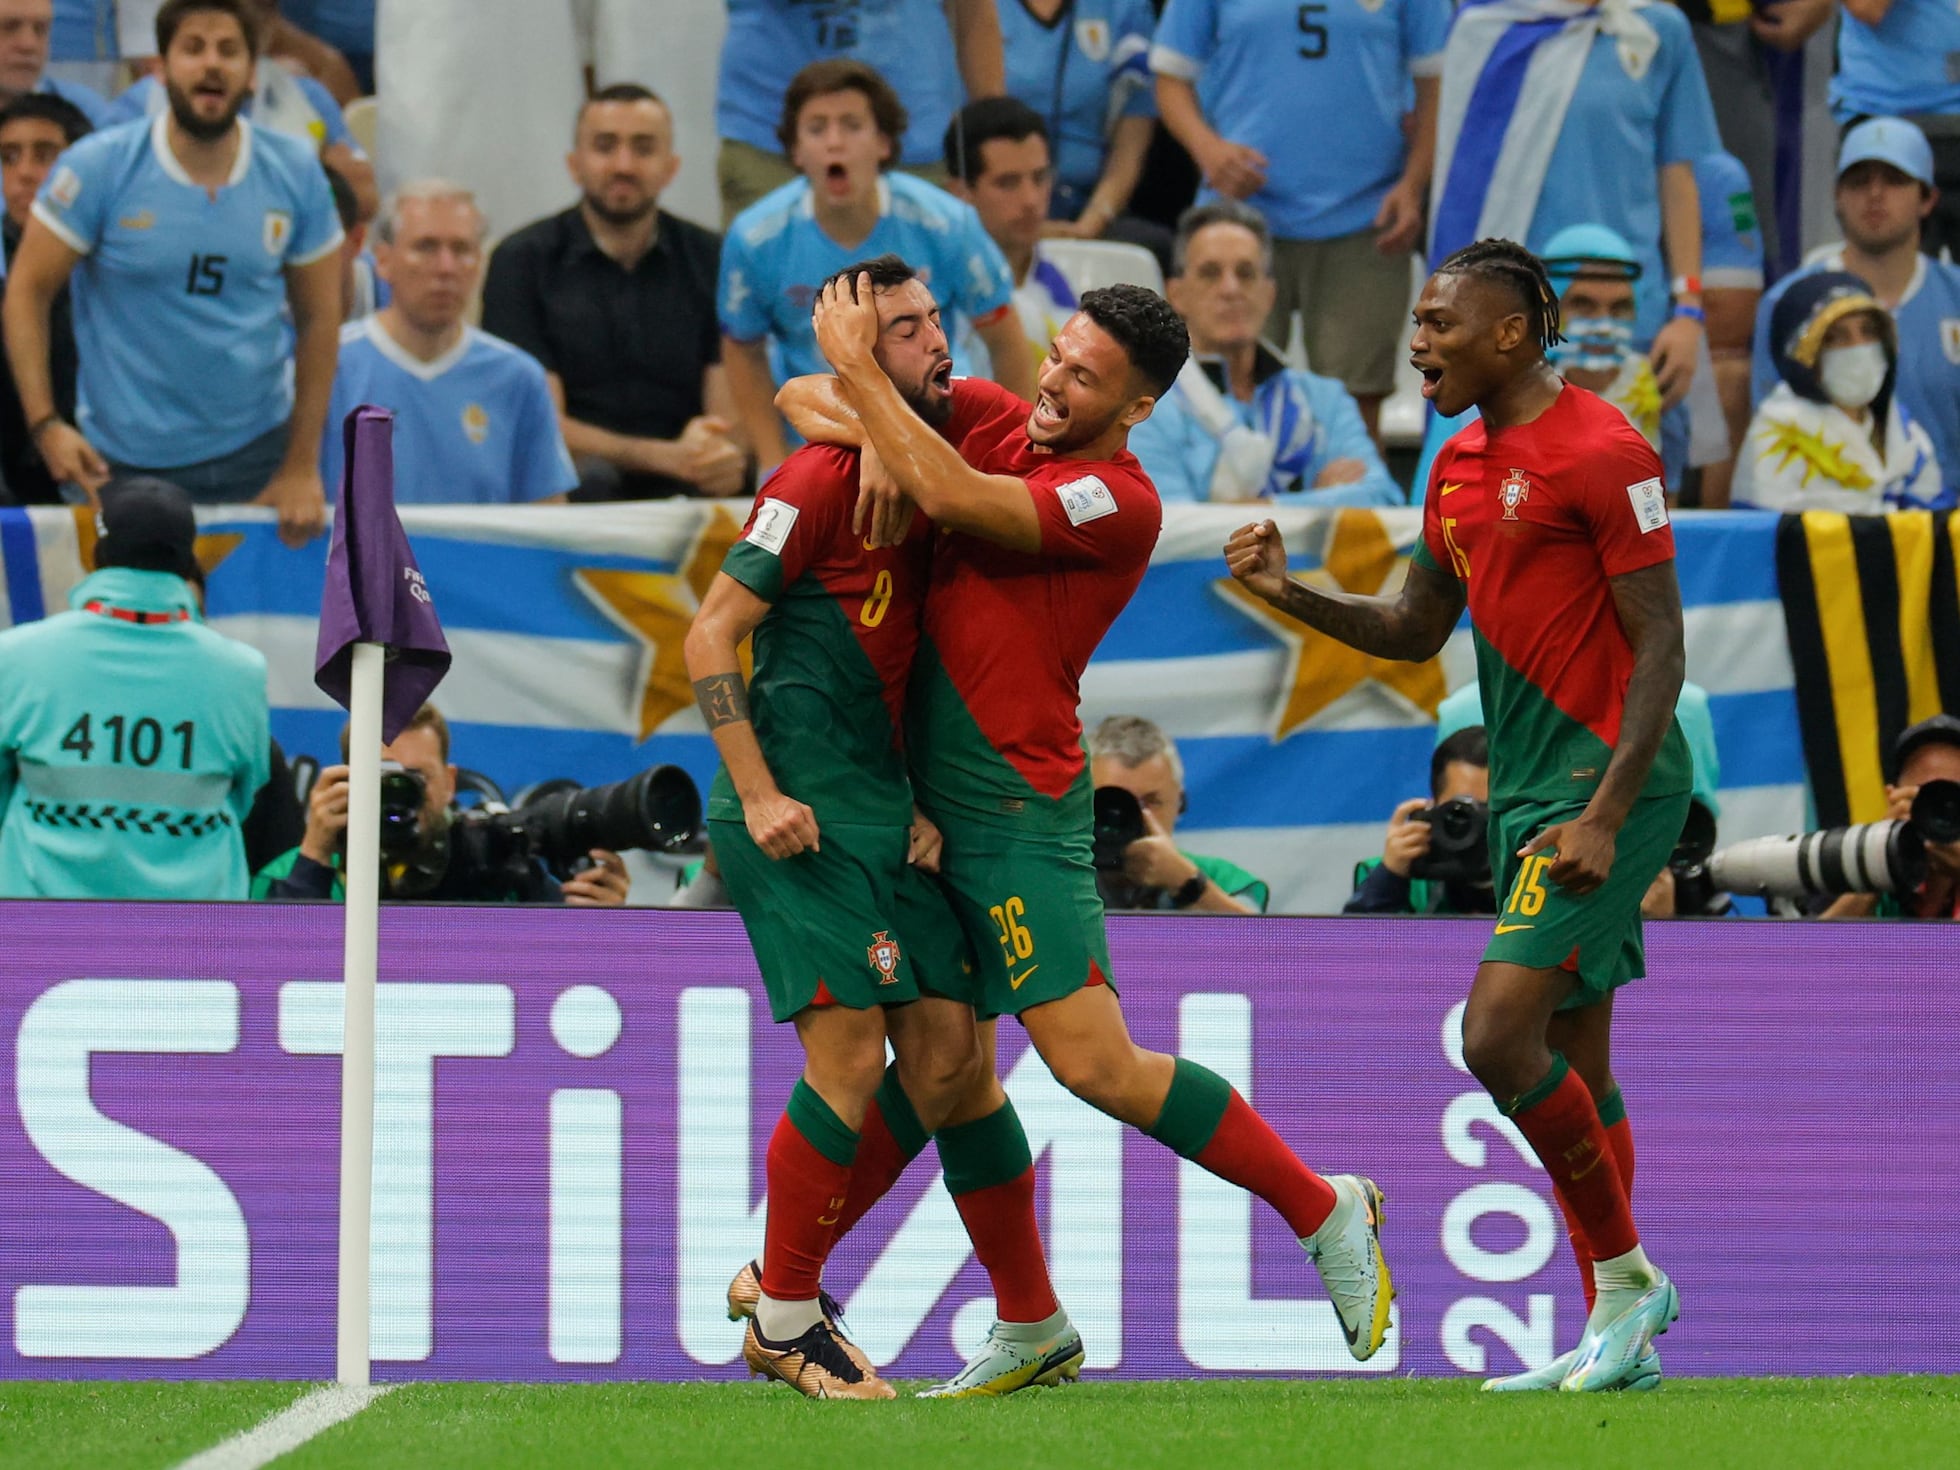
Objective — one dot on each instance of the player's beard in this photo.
(185, 111)
(935, 408)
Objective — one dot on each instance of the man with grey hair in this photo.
(475, 422)
(1135, 755)
(1239, 424)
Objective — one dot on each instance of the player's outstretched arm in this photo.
(1412, 625)
(817, 408)
(998, 508)
(780, 825)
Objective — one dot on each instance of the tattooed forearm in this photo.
(1649, 605)
(1411, 626)
(724, 699)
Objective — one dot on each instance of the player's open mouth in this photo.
(1047, 412)
(942, 376)
(1432, 378)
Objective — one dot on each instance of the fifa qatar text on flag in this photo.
(375, 593)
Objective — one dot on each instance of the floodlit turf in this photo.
(1787, 1424)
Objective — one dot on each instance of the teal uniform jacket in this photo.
(130, 751)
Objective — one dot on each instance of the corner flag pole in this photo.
(357, 1049)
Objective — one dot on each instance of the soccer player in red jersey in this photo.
(810, 816)
(1051, 523)
(1549, 517)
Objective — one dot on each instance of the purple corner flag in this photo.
(375, 592)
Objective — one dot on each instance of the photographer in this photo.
(1130, 754)
(1407, 878)
(1927, 752)
(430, 865)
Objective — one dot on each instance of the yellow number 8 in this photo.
(873, 612)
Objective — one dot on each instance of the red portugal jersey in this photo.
(992, 724)
(1534, 520)
(834, 652)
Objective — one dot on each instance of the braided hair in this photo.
(1511, 265)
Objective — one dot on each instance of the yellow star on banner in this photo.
(211, 548)
(656, 609)
(1360, 559)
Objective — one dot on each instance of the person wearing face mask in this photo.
(1833, 435)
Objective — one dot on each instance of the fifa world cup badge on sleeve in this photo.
(1086, 499)
(883, 956)
(1512, 493)
(1649, 499)
(773, 519)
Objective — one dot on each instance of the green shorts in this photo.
(824, 924)
(1542, 927)
(1028, 907)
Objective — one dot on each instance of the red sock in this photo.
(806, 1196)
(1000, 1221)
(1565, 1132)
(1620, 1136)
(1247, 1152)
(880, 1161)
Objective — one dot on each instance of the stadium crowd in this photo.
(1280, 171)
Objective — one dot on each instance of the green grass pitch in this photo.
(1787, 1424)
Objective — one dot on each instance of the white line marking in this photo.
(287, 1430)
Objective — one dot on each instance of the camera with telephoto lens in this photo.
(1696, 893)
(659, 810)
(1868, 857)
(1459, 845)
(1118, 823)
(402, 793)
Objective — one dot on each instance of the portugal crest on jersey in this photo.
(883, 956)
(1512, 492)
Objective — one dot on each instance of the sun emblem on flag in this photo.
(882, 954)
(1512, 493)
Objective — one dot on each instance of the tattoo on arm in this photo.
(1411, 626)
(724, 699)
(1649, 605)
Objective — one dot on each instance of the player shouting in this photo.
(1055, 523)
(1549, 516)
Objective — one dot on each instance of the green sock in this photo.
(811, 1116)
(1193, 1109)
(906, 1129)
(985, 1152)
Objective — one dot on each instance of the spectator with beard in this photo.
(616, 297)
(205, 253)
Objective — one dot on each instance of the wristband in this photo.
(1692, 313)
(1191, 892)
(1685, 286)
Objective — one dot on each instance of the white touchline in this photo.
(287, 1430)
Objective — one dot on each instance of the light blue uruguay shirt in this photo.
(1619, 132)
(1928, 319)
(181, 320)
(770, 41)
(1312, 421)
(474, 427)
(1084, 72)
(129, 752)
(1909, 62)
(1319, 89)
(94, 106)
(775, 255)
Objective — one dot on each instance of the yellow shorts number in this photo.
(1528, 893)
(1015, 941)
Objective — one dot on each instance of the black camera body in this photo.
(1459, 842)
(1118, 823)
(496, 854)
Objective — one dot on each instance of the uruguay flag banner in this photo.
(566, 624)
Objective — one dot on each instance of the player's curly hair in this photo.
(1145, 327)
(1513, 266)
